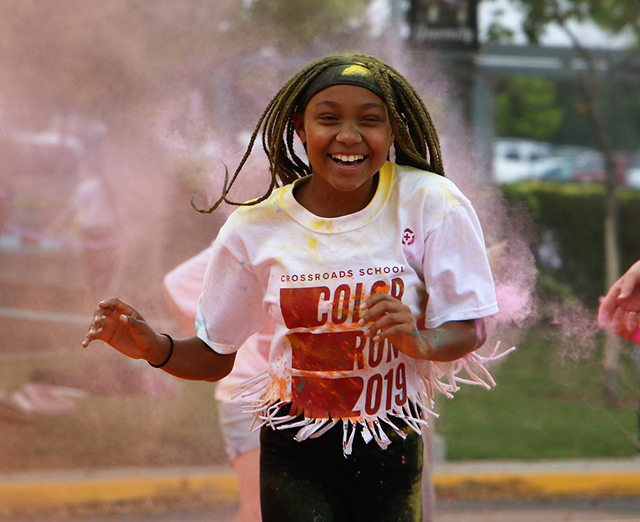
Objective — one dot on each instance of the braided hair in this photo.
(416, 140)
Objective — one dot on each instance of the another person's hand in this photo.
(121, 326)
(619, 309)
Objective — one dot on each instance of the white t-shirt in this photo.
(418, 236)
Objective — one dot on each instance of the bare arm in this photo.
(451, 340)
(390, 319)
(121, 326)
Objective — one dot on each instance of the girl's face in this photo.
(347, 134)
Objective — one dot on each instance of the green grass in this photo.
(545, 406)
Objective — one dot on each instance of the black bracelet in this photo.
(168, 356)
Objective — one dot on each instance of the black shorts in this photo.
(313, 481)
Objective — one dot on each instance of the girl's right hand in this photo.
(121, 326)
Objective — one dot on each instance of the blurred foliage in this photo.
(614, 92)
(619, 98)
(574, 213)
(551, 290)
(300, 21)
(527, 107)
(613, 16)
(555, 111)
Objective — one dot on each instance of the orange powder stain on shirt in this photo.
(282, 386)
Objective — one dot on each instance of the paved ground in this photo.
(512, 490)
(574, 510)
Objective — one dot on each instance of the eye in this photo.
(327, 117)
(371, 119)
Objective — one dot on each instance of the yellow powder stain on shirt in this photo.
(454, 201)
(311, 245)
(323, 224)
(312, 242)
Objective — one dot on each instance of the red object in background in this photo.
(590, 168)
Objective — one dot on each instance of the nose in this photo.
(349, 134)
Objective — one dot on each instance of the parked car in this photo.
(633, 172)
(567, 156)
(519, 160)
(590, 167)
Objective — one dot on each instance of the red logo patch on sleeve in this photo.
(408, 237)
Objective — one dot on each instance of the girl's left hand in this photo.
(390, 319)
(393, 320)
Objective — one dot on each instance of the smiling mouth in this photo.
(347, 160)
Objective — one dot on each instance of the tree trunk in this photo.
(611, 253)
(592, 84)
(612, 272)
(611, 238)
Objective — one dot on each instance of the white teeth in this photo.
(348, 158)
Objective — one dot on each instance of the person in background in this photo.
(91, 214)
(182, 286)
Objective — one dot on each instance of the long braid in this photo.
(227, 186)
(416, 140)
(411, 122)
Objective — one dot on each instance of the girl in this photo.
(373, 271)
